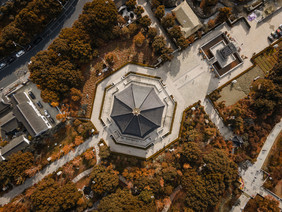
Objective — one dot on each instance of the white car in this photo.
(46, 113)
(20, 53)
(2, 65)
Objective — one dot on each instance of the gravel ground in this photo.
(231, 93)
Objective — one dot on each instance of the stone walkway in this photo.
(253, 176)
(88, 171)
(81, 175)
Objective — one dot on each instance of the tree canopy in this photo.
(99, 16)
(51, 196)
(13, 171)
(104, 180)
(30, 21)
(122, 200)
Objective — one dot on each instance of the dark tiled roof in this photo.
(15, 145)
(3, 105)
(148, 106)
(8, 122)
(227, 50)
(34, 121)
(7, 118)
(20, 97)
(27, 115)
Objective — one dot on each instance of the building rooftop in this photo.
(34, 120)
(15, 145)
(20, 97)
(187, 18)
(227, 50)
(137, 110)
(8, 122)
(3, 105)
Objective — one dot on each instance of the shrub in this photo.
(158, 44)
(145, 21)
(133, 29)
(125, 34)
(160, 11)
(155, 3)
(211, 23)
(110, 58)
(152, 33)
(168, 21)
(175, 32)
(104, 152)
(138, 11)
(139, 39)
(131, 4)
(223, 14)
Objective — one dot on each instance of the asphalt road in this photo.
(72, 10)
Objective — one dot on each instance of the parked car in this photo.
(274, 35)
(37, 40)
(39, 104)
(46, 113)
(20, 53)
(51, 120)
(2, 65)
(10, 60)
(31, 95)
(279, 32)
(270, 38)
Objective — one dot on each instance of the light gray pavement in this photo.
(97, 150)
(81, 175)
(91, 142)
(188, 78)
(88, 171)
(253, 176)
(155, 23)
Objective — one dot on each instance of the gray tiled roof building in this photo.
(137, 110)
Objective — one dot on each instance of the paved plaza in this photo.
(188, 78)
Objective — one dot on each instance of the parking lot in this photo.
(41, 106)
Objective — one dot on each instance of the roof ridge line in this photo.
(137, 123)
(146, 97)
(132, 93)
(148, 119)
(151, 109)
(124, 105)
